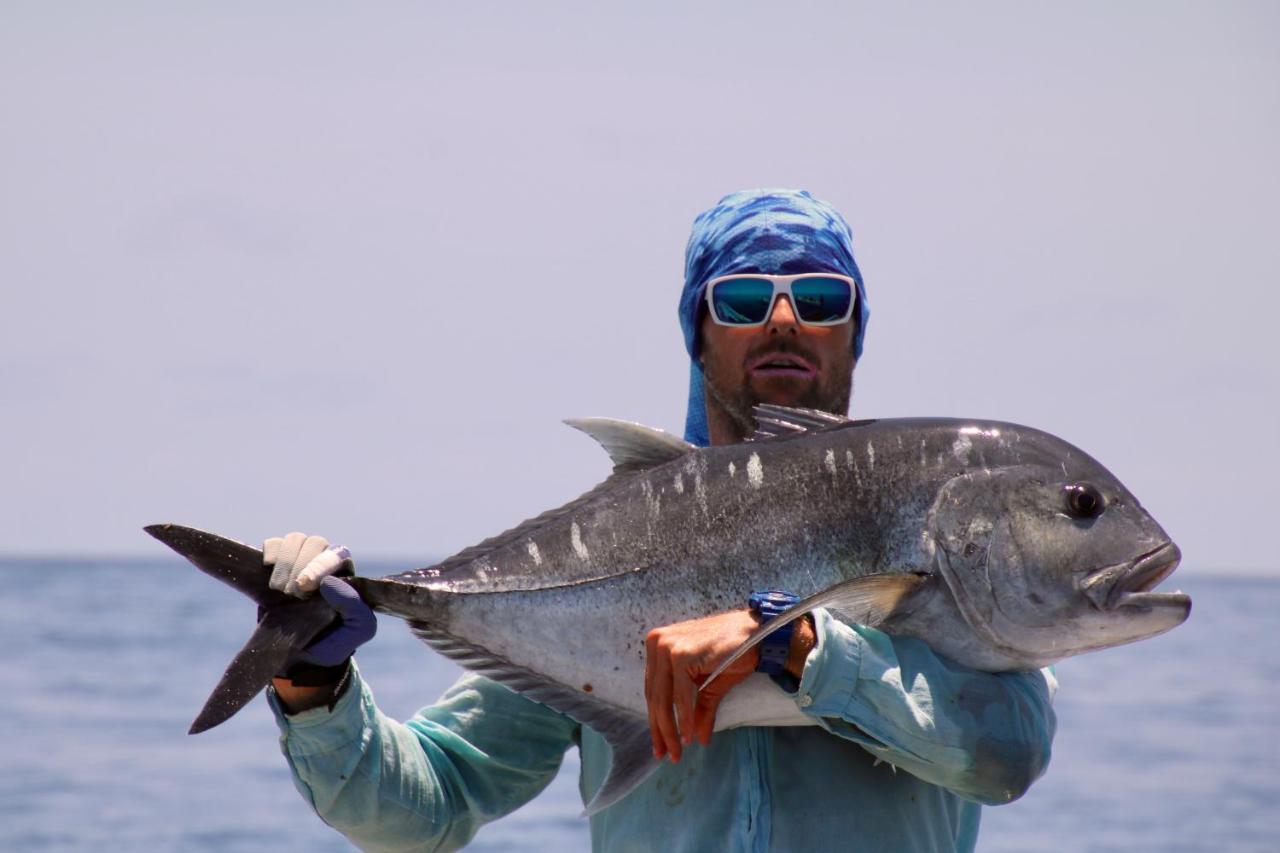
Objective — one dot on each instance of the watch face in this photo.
(771, 602)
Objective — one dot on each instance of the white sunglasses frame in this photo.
(782, 287)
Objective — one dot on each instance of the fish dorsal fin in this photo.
(783, 421)
(632, 446)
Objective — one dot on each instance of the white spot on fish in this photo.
(575, 534)
(830, 462)
(700, 489)
(755, 471)
(961, 446)
(871, 455)
(848, 459)
(733, 469)
(652, 501)
(679, 484)
(532, 548)
(923, 459)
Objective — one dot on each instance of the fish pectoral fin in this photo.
(282, 630)
(632, 446)
(867, 600)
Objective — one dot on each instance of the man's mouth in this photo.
(781, 365)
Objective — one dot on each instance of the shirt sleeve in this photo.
(984, 736)
(428, 783)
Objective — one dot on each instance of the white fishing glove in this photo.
(302, 562)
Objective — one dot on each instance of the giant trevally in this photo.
(1001, 546)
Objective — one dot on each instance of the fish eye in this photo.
(1083, 500)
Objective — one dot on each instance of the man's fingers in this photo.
(312, 547)
(650, 655)
(660, 707)
(705, 717)
(307, 580)
(359, 625)
(286, 557)
(660, 712)
(330, 561)
(293, 555)
(685, 693)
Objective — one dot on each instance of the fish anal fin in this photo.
(631, 761)
(868, 600)
(632, 446)
(626, 731)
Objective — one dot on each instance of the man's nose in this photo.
(783, 317)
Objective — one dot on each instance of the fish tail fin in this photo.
(234, 563)
(287, 624)
(868, 600)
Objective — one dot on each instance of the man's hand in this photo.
(679, 657)
(301, 565)
(300, 562)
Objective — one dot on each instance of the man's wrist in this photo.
(803, 641)
(295, 698)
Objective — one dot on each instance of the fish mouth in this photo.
(1129, 585)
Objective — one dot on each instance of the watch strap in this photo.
(775, 648)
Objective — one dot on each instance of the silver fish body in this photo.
(1001, 546)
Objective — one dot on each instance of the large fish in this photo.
(1002, 547)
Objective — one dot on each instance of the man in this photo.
(773, 260)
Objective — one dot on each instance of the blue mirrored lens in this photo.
(742, 300)
(819, 299)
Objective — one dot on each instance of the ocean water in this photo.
(1170, 744)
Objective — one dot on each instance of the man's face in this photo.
(781, 362)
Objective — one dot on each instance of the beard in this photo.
(830, 392)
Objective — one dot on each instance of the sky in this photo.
(344, 268)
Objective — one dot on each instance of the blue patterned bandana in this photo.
(774, 232)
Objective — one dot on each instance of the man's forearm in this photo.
(476, 754)
(985, 736)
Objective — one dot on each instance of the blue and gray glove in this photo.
(302, 565)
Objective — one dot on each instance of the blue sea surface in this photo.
(1169, 744)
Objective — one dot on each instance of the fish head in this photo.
(1051, 557)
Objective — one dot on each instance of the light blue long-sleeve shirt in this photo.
(907, 745)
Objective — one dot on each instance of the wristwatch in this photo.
(775, 648)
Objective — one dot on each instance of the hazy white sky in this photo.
(246, 247)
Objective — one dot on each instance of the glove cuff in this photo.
(304, 674)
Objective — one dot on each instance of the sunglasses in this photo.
(817, 299)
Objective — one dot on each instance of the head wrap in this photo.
(774, 232)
